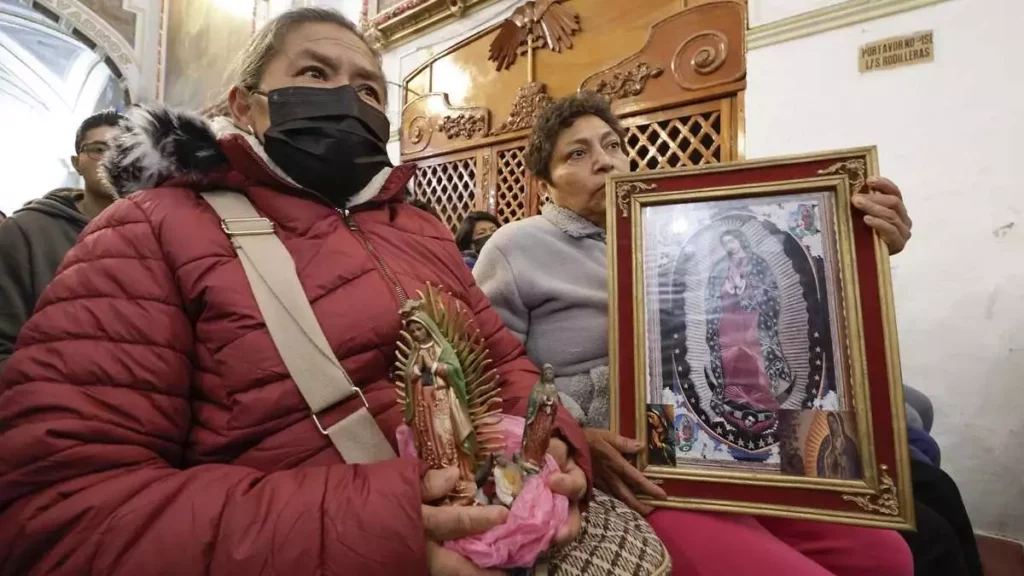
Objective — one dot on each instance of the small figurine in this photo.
(452, 410)
(540, 421)
(449, 401)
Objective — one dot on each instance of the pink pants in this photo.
(706, 544)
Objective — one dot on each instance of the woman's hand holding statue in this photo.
(571, 483)
(442, 523)
(614, 474)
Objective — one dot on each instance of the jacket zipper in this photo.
(351, 223)
(381, 264)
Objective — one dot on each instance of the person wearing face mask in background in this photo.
(476, 229)
(150, 424)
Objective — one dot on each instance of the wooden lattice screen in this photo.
(455, 184)
(675, 142)
(511, 185)
(666, 140)
(449, 186)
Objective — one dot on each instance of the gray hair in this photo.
(247, 70)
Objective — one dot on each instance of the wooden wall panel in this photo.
(674, 75)
(643, 60)
(689, 56)
(611, 29)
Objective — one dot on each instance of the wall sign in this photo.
(916, 48)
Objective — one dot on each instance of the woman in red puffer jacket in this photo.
(148, 424)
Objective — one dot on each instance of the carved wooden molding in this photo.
(829, 18)
(643, 82)
(698, 57)
(629, 83)
(411, 18)
(464, 126)
(492, 196)
(703, 60)
(433, 113)
(531, 100)
(533, 26)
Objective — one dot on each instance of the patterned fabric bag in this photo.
(614, 540)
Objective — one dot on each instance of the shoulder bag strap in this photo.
(295, 330)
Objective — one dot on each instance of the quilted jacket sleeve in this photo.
(517, 372)
(94, 413)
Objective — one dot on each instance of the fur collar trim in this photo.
(160, 143)
(223, 126)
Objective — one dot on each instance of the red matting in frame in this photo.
(889, 506)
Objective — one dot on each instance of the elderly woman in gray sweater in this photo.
(547, 278)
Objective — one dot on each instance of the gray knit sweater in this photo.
(547, 276)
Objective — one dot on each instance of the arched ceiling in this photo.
(125, 33)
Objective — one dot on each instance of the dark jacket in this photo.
(33, 242)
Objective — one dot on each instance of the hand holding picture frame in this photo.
(753, 340)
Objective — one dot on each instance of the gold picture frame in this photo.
(662, 227)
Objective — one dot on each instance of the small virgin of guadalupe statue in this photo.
(540, 421)
(448, 398)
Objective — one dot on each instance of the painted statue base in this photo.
(535, 516)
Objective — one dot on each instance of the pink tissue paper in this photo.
(535, 516)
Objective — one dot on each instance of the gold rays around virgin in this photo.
(482, 390)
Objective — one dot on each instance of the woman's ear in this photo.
(239, 106)
(243, 110)
(547, 188)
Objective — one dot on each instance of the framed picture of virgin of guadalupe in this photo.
(753, 344)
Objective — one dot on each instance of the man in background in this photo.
(34, 239)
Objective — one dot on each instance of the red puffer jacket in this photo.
(147, 422)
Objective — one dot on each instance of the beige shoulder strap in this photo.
(295, 330)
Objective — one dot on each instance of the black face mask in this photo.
(328, 140)
(478, 244)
